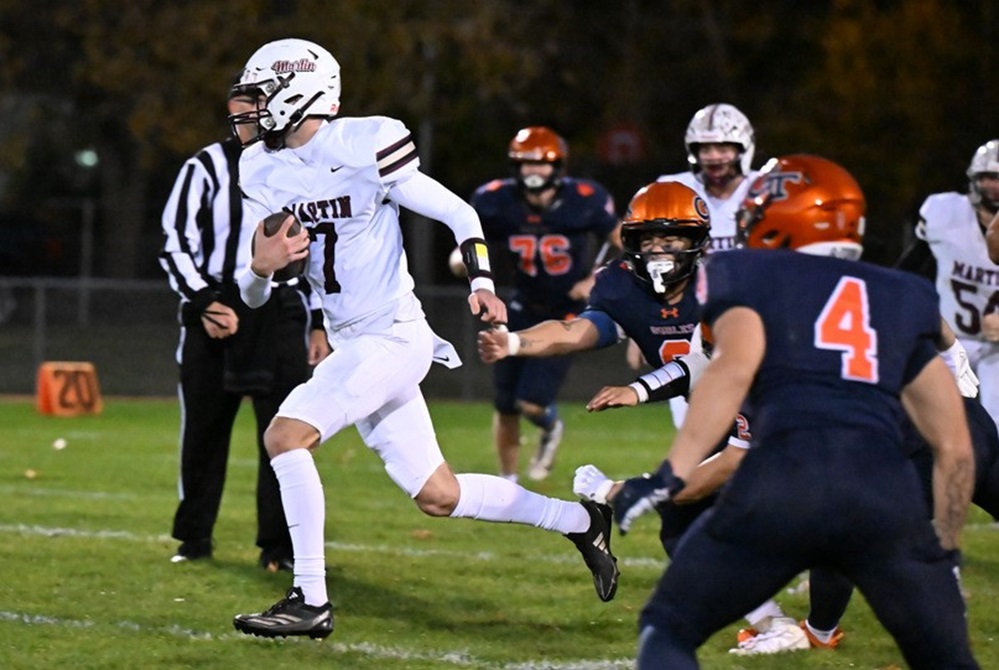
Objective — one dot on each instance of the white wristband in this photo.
(640, 391)
(512, 344)
(254, 289)
(482, 282)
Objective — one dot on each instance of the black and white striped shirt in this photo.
(207, 237)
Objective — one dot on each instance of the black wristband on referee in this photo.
(203, 298)
(475, 256)
(316, 316)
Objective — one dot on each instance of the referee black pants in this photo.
(208, 412)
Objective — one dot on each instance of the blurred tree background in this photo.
(103, 99)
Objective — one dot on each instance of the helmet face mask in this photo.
(804, 203)
(661, 269)
(677, 219)
(718, 163)
(537, 145)
(533, 179)
(984, 165)
(720, 124)
(291, 80)
(258, 118)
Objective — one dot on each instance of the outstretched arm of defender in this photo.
(673, 379)
(548, 338)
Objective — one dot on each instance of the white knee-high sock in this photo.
(305, 511)
(490, 498)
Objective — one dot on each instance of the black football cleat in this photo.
(289, 616)
(193, 550)
(594, 545)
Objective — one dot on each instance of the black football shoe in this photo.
(193, 550)
(594, 545)
(289, 616)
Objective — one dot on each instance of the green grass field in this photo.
(87, 582)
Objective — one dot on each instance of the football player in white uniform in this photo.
(345, 179)
(951, 236)
(720, 144)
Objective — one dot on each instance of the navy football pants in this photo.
(832, 499)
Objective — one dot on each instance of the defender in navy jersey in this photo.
(646, 297)
(546, 222)
(643, 296)
(828, 351)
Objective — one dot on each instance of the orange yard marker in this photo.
(68, 388)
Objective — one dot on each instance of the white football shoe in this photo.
(784, 634)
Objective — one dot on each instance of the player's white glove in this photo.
(640, 495)
(956, 359)
(592, 484)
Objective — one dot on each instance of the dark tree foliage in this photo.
(900, 92)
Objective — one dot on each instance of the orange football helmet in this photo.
(538, 144)
(805, 203)
(668, 209)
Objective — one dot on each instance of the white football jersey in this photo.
(967, 280)
(722, 211)
(336, 185)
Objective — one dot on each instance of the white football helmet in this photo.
(720, 123)
(986, 159)
(297, 79)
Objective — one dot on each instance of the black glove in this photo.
(640, 495)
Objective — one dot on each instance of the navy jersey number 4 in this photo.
(845, 325)
(835, 351)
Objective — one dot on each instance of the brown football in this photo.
(272, 224)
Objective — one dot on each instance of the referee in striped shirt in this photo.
(226, 350)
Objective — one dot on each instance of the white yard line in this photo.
(42, 492)
(376, 651)
(486, 556)
(371, 650)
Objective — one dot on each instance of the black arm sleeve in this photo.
(662, 386)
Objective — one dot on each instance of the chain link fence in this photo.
(128, 329)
